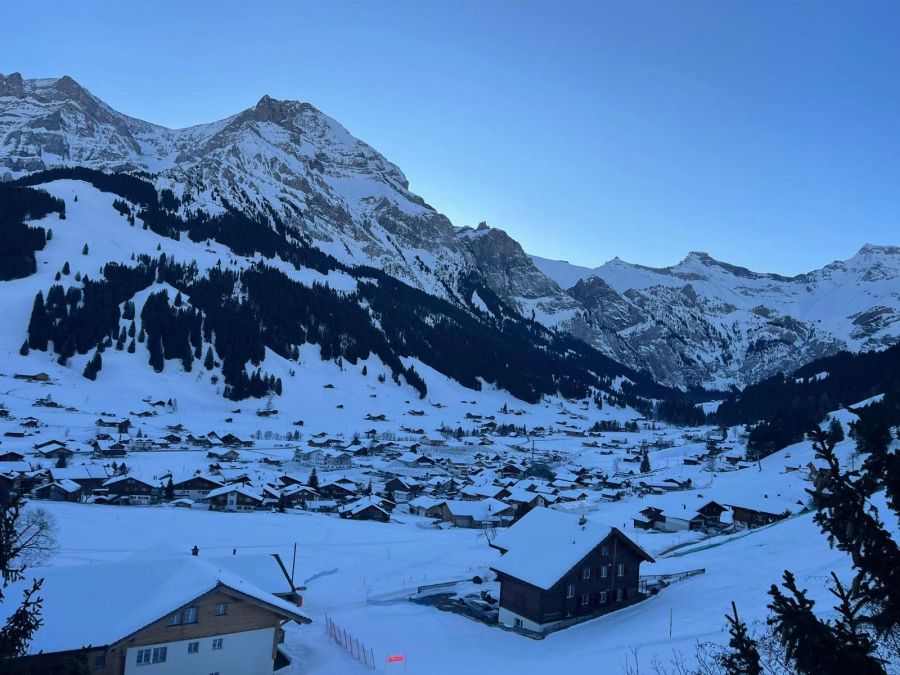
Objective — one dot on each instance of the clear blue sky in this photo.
(766, 132)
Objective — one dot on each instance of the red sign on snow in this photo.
(396, 658)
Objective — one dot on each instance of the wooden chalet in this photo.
(178, 615)
(559, 569)
(223, 455)
(426, 507)
(234, 498)
(88, 476)
(477, 514)
(337, 490)
(196, 487)
(748, 516)
(367, 508)
(59, 491)
(55, 452)
(130, 490)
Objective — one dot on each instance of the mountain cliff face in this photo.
(283, 158)
(699, 322)
(705, 321)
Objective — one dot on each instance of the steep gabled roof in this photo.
(545, 545)
(136, 593)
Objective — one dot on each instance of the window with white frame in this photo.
(193, 647)
(155, 655)
(604, 550)
(586, 573)
(217, 643)
(604, 571)
(620, 570)
(585, 599)
(222, 609)
(570, 591)
(602, 597)
(186, 615)
(618, 595)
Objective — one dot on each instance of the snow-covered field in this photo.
(360, 574)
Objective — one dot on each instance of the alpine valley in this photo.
(283, 186)
(250, 382)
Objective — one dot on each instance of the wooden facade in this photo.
(242, 613)
(606, 579)
(130, 490)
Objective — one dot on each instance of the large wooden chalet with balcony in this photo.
(558, 569)
(178, 615)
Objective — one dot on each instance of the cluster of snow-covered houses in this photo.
(472, 485)
(556, 567)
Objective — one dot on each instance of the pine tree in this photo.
(84, 251)
(313, 481)
(743, 659)
(835, 431)
(39, 325)
(209, 362)
(846, 517)
(645, 461)
(814, 646)
(65, 268)
(93, 366)
(170, 490)
(131, 346)
(23, 350)
(154, 344)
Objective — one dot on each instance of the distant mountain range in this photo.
(701, 322)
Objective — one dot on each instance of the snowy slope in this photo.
(705, 321)
(698, 322)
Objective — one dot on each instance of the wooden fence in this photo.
(351, 645)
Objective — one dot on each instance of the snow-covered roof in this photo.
(79, 600)
(119, 479)
(238, 488)
(479, 510)
(261, 570)
(545, 544)
(361, 505)
(80, 472)
(425, 502)
(481, 490)
(63, 484)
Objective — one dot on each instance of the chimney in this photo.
(195, 551)
(582, 521)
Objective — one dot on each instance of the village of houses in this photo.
(567, 514)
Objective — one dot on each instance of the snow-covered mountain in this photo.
(706, 321)
(286, 162)
(284, 158)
